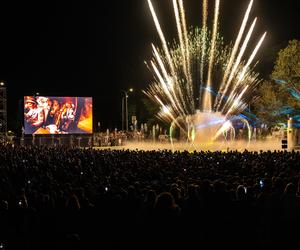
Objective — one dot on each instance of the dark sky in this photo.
(98, 49)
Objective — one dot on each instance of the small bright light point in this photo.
(1, 83)
(166, 110)
(131, 89)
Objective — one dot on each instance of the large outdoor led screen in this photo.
(58, 115)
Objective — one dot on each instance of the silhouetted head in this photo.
(164, 201)
(290, 189)
(240, 192)
(150, 197)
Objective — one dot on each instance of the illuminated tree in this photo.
(268, 106)
(287, 66)
(280, 96)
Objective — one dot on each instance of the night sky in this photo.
(98, 49)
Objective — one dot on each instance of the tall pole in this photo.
(126, 97)
(3, 109)
(290, 134)
(122, 113)
(126, 108)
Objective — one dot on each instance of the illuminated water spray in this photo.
(201, 84)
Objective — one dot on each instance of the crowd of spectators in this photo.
(70, 198)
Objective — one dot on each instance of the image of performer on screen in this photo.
(33, 115)
(53, 116)
(85, 123)
(44, 103)
(68, 113)
(53, 112)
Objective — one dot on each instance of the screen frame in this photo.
(72, 133)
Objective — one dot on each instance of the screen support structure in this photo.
(3, 110)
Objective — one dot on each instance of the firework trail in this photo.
(207, 102)
(203, 42)
(234, 51)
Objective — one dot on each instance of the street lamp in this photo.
(126, 108)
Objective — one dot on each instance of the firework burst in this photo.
(200, 83)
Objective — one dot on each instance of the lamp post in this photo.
(123, 113)
(124, 99)
(3, 109)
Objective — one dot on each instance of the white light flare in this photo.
(162, 37)
(207, 102)
(237, 63)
